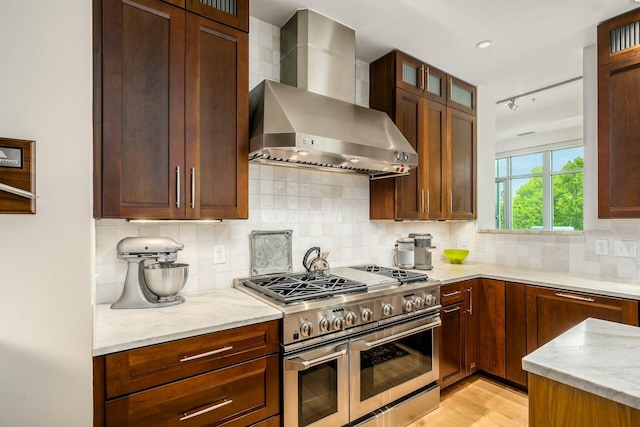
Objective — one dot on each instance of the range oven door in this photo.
(393, 362)
(316, 387)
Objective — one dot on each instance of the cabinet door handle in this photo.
(225, 402)
(428, 202)
(208, 353)
(452, 310)
(450, 294)
(193, 188)
(427, 79)
(450, 202)
(422, 77)
(450, 88)
(561, 295)
(177, 186)
(470, 301)
(422, 200)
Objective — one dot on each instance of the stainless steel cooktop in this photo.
(348, 301)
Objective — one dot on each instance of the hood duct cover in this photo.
(316, 123)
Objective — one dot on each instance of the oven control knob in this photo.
(350, 318)
(387, 310)
(408, 306)
(366, 315)
(306, 329)
(430, 300)
(324, 324)
(338, 323)
(418, 302)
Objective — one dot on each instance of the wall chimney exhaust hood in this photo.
(310, 119)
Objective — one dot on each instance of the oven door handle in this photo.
(300, 364)
(366, 345)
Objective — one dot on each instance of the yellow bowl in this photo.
(456, 256)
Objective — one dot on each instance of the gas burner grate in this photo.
(298, 287)
(404, 276)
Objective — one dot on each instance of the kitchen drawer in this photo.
(451, 293)
(139, 369)
(238, 395)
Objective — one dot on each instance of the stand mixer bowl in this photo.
(166, 279)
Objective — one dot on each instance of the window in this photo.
(541, 190)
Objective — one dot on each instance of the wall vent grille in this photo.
(625, 37)
(229, 6)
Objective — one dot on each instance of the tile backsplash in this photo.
(326, 209)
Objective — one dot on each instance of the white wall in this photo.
(45, 259)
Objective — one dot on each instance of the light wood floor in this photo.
(478, 401)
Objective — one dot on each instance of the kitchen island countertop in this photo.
(595, 356)
(449, 273)
(201, 313)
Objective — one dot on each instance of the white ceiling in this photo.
(535, 43)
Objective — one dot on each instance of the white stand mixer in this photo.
(155, 285)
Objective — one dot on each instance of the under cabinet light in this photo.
(184, 221)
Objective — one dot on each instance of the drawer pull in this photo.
(452, 310)
(575, 297)
(450, 294)
(208, 353)
(225, 402)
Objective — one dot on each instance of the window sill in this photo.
(535, 232)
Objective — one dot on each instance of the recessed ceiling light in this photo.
(486, 43)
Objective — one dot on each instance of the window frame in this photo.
(547, 175)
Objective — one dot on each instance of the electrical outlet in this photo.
(464, 240)
(602, 247)
(219, 254)
(625, 248)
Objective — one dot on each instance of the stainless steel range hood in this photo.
(316, 124)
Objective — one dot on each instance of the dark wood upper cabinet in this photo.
(443, 185)
(174, 114)
(461, 95)
(618, 112)
(234, 13)
(410, 119)
(460, 160)
(143, 109)
(216, 114)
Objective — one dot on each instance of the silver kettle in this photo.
(317, 267)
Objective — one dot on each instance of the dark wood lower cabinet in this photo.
(550, 312)
(452, 343)
(234, 396)
(490, 308)
(490, 325)
(515, 332)
(227, 378)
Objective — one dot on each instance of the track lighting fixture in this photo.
(512, 104)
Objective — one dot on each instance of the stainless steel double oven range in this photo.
(360, 346)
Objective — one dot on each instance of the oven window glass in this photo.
(389, 365)
(318, 391)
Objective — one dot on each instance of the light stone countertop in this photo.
(595, 356)
(449, 273)
(124, 329)
(118, 330)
